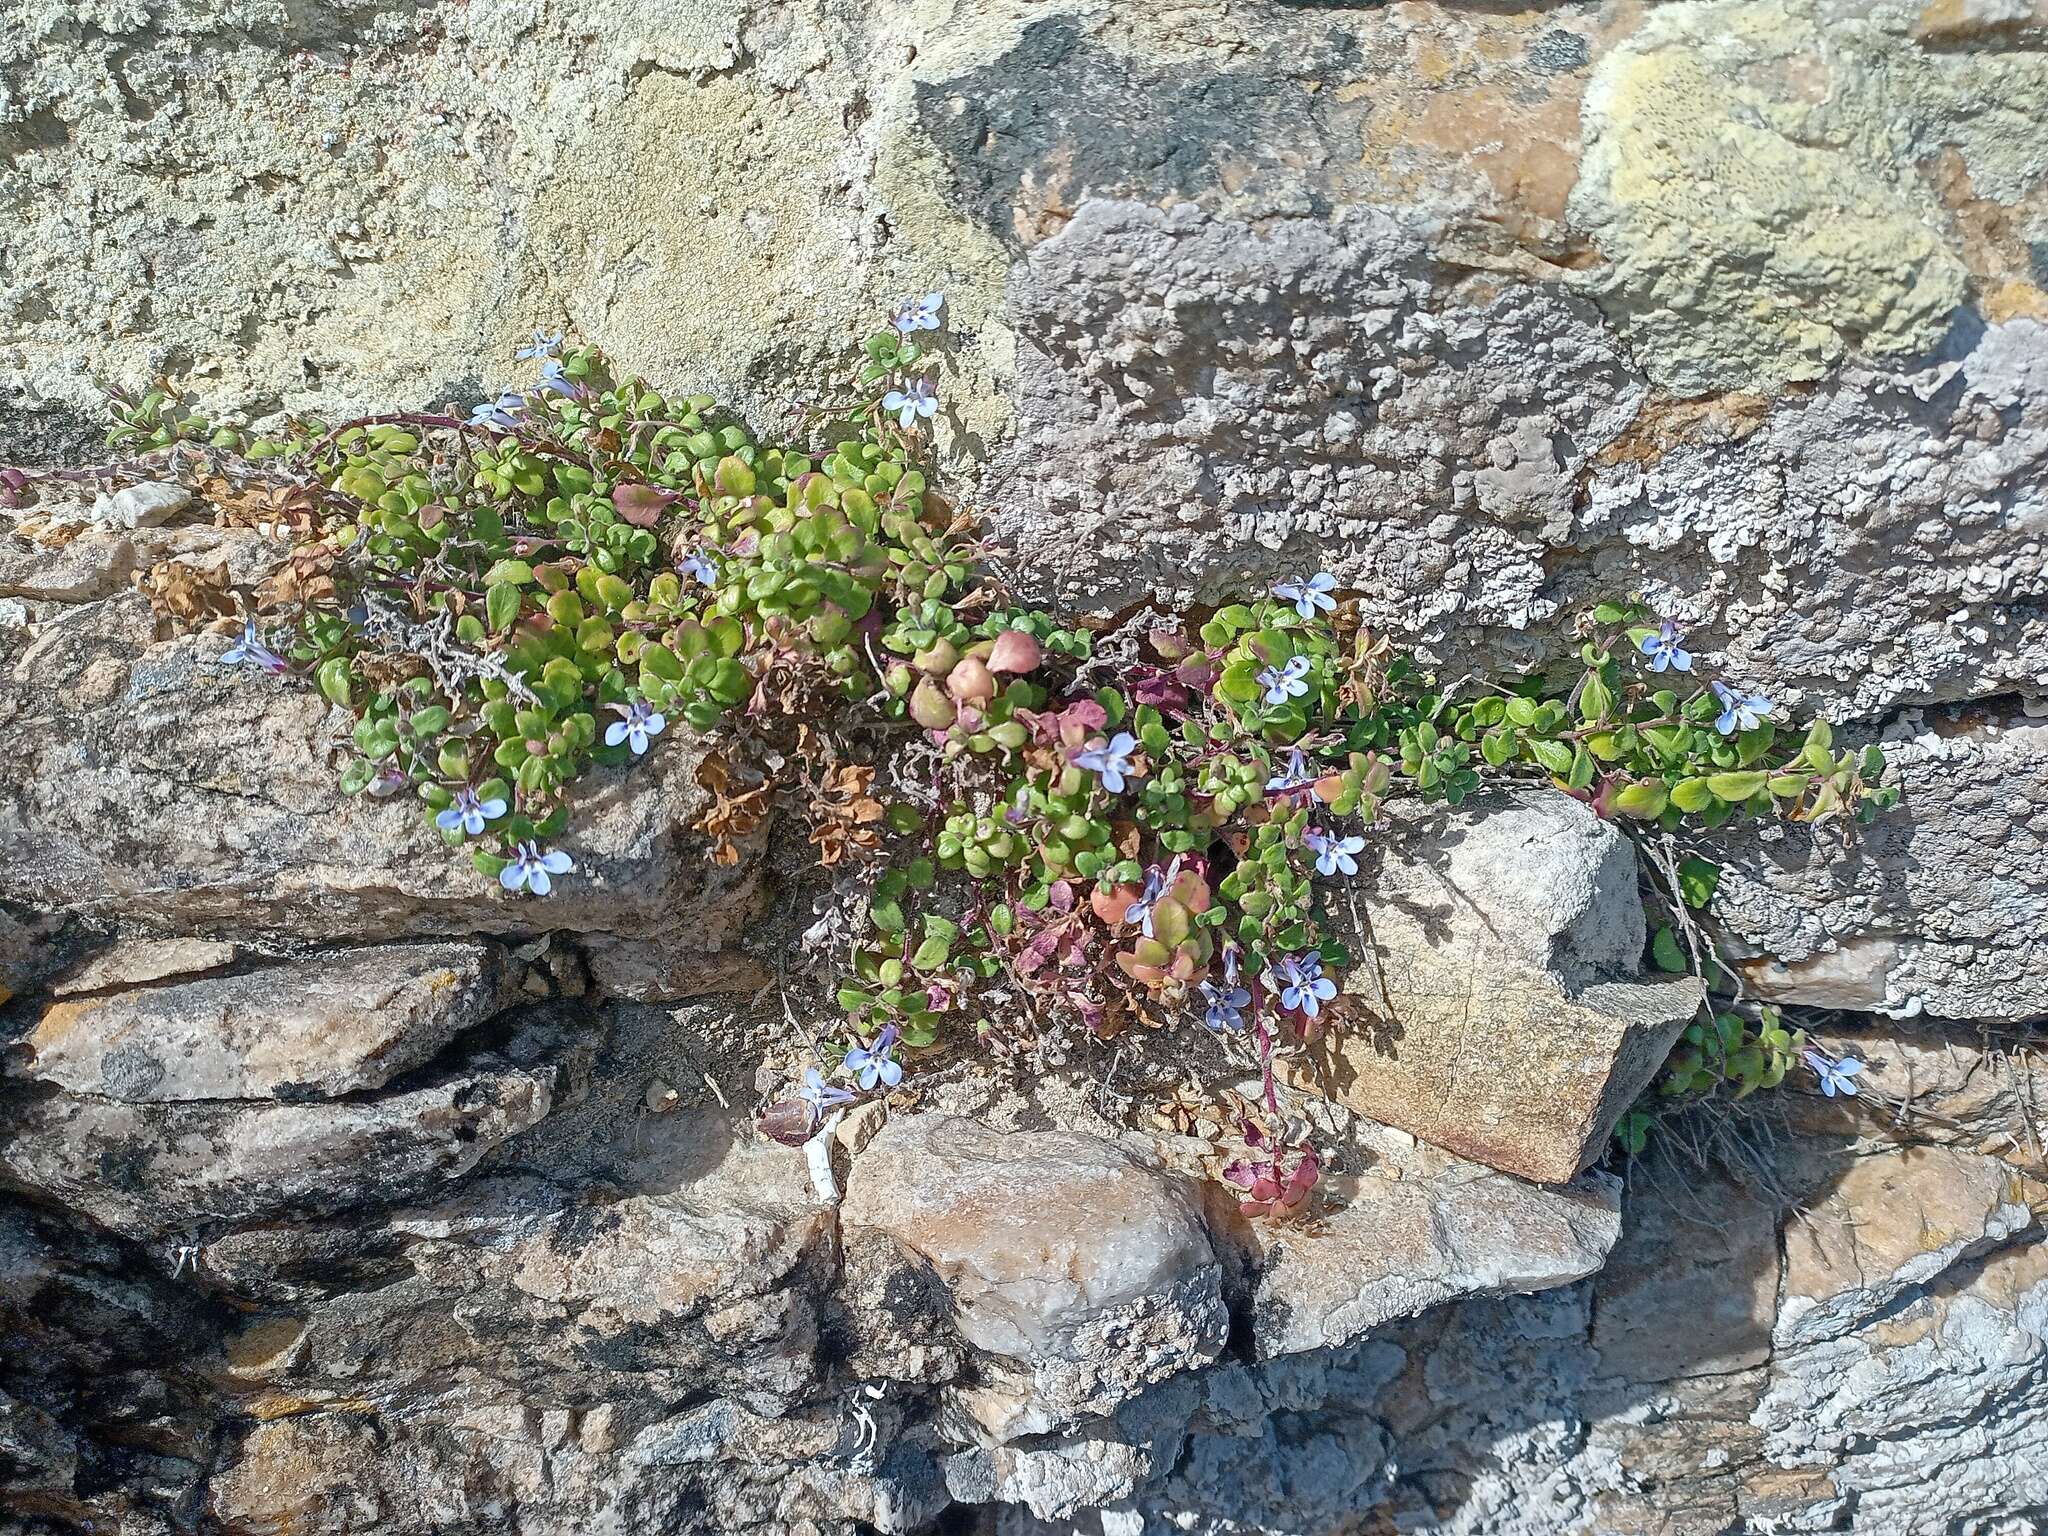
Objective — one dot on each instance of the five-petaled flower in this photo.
(555, 380)
(1296, 775)
(1740, 711)
(502, 413)
(1309, 594)
(1288, 682)
(532, 868)
(821, 1095)
(876, 1063)
(1666, 648)
(1112, 762)
(1835, 1076)
(695, 567)
(1223, 1005)
(542, 345)
(912, 314)
(251, 649)
(1333, 853)
(1300, 981)
(469, 812)
(641, 721)
(907, 405)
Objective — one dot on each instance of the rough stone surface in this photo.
(1740, 304)
(1412, 1231)
(1494, 1009)
(148, 784)
(1935, 908)
(320, 1027)
(137, 962)
(1091, 1312)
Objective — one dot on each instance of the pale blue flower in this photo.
(555, 380)
(695, 567)
(1301, 984)
(1296, 775)
(1740, 712)
(503, 413)
(470, 813)
(542, 345)
(821, 1095)
(1284, 683)
(1835, 1076)
(877, 1063)
(251, 649)
(917, 314)
(919, 400)
(641, 721)
(1309, 595)
(1664, 648)
(1333, 853)
(532, 868)
(1113, 762)
(1223, 1005)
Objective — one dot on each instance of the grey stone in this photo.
(1091, 1314)
(149, 784)
(137, 962)
(148, 505)
(1414, 1230)
(1940, 906)
(1494, 1007)
(153, 1169)
(324, 1026)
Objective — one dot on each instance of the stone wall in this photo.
(1487, 311)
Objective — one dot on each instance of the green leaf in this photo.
(1692, 795)
(1736, 787)
(501, 604)
(1697, 880)
(336, 681)
(1665, 950)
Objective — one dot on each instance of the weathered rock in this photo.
(147, 505)
(1936, 907)
(138, 962)
(148, 784)
(1489, 1010)
(320, 1027)
(1910, 1373)
(152, 1169)
(1414, 1230)
(1692, 1287)
(1068, 1256)
(1982, 1091)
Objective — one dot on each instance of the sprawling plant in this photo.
(1045, 823)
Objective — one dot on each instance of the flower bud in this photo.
(936, 659)
(1014, 651)
(930, 707)
(970, 682)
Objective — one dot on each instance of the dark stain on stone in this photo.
(1058, 118)
(581, 1225)
(130, 1072)
(2037, 262)
(46, 435)
(1558, 51)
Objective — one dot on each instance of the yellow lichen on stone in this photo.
(1757, 221)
